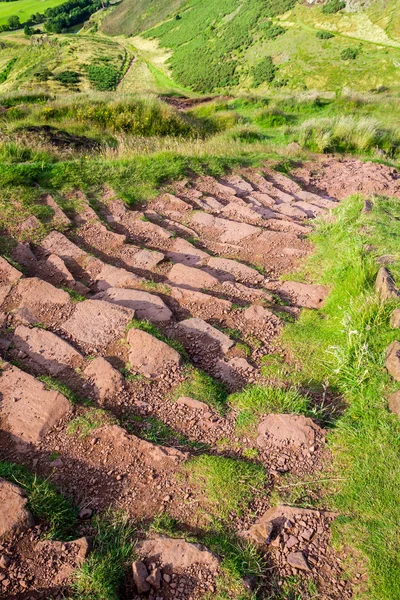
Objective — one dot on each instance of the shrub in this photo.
(68, 77)
(264, 71)
(350, 53)
(103, 77)
(42, 74)
(333, 6)
(324, 35)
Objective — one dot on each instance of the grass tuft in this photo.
(45, 502)
(93, 418)
(200, 386)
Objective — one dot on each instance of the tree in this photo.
(14, 22)
(28, 30)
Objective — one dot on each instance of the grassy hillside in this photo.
(133, 16)
(232, 45)
(25, 8)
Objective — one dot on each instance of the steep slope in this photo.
(247, 44)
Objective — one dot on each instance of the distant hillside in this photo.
(249, 44)
(135, 16)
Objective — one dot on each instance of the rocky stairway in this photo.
(102, 305)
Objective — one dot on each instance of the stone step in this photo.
(95, 324)
(223, 230)
(45, 352)
(202, 334)
(28, 410)
(191, 278)
(146, 306)
(59, 218)
(305, 295)
(199, 304)
(183, 252)
(225, 269)
(36, 301)
(150, 356)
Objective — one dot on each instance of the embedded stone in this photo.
(149, 356)
(14, 515)
(146, 306)
(105, 380)
(205, 334)
(393, 360)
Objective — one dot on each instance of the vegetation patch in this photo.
(202, 387)
(228, 484)
(92, 419)
(44, 501)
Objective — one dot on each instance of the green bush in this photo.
(324, 35)
(68, 77)
(333, 6)
(103, 77)
(264, 71)
(350, 53)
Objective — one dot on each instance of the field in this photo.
(25, 8)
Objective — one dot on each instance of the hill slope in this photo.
(243, 45)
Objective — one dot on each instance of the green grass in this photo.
(203, 387)
(25, 8)
(343, 347)
(45, 502)
(153, 330)
(101, 575)
(255, 401)
(227, 485)
(92, 419)
(54, 384)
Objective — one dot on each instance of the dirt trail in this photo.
(198, 269)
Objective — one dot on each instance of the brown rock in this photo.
(46, 352)
(260, 315)
(59, 217)
(37, 295)
(385, 285)
(8, 273)
(280, 429)
(154, 579)
(5, 561)
(190, 278)
(305, 294)
(395, 319)
(292, 541)
(140, 575)
(14, 516)
(297, 560)
(394, 403)
(146, 306)
(106, 381)
(268, 527)
(224, 269)
(177, 554)
(97, 323)
(206, 334)
(28, 410)
(150, 356)
(393, 360)
(192, 403)
(185, 253)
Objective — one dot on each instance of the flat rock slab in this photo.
(297, 560)
(141, 258)
(395, 319)
(37, 297)
(259, 314)
(185, 253)
(96, 323)
(59, 216)
(14, 515)
(225, 231)
(393, 360)
(205, 333)
(106, 381)
(305, 294)
(146, 306)
(192, 403)
(107, 276)
(190, 278)
(57, 243)
(177, 554)
(149, 356)
(285, 429)
(124, 446)
(28, 409)
(8, 273)
(227, 269)
(45, 351)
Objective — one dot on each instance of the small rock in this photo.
(167, 578)
(394, 403)
(5, 561)
(154, 579)
(393, 360)
(140, 576)
(395, 319)
(385, 285)
(292, 541)
(298, 561)
(85, 513)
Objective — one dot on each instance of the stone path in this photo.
(124, 307)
